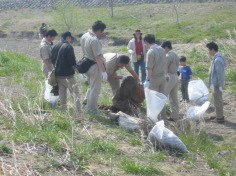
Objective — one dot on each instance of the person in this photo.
(185, 76)
(92, 49)
(45, 52)
(217, 79)
(64, 61)
(43, 30)
(114, 62)
(156, 68)
(137, 50)
(172, 80)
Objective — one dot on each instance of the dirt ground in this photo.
(27, 156)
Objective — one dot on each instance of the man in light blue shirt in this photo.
(217, 79)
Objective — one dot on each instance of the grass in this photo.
(4, 149)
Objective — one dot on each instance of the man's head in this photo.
(167, 46)
(123, 61)
(51, 35)
(182, 61)
(212, 48)
(137, 34)
(67, 36)
(149, 40)
(43, 24)
(98, 28)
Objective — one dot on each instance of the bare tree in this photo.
(111, 5)
(177, 15)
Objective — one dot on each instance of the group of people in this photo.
(159, 67)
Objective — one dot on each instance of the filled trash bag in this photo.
(196, 112)
(163, 138)
(127, 121)
(155, 102)
(198, 92)
(49, 97)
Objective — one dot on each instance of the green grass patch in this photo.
(5, 149)
(136, 167)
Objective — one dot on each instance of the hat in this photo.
(137, 31)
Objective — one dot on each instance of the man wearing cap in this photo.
(172, 79)
(156, 68)
(113, 63)
(137, 51)
(92, 49)
(63, 59)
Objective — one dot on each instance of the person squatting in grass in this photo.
(137, 51)
(217, 79)
(172, 79)
(64, 61)
(185, 76)
(92, 49)
(46, 54)
(114, 62)
(156, 68)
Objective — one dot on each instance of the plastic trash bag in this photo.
(196, 112)
(162, 137)
(198, 92)
(155, 103)
(51, 99)
(127, 121)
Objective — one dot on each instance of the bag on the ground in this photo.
(164, 138)
(198, 92)
(127, 121)
(48, 96)
(155, 103)
(84, 64)
(196, 112)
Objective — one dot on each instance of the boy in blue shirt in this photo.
(186, 75)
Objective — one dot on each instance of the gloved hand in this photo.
(167, 77)
(104, 76)
(221, 89)
(81, 77)
(124, 78)
(131, 51)
(146, 84)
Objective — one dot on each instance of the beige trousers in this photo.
(158, 83)
(95, 81)
(115, 85)
(69, 83)
(218, 102)
(172, 93)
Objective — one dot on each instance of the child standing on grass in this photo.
(185, 76)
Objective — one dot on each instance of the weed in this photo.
(136, 167)
(5, 149)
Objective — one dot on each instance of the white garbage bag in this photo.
(155, 103)
(51, 99)
(198, 92)
(127, 121)
(162, 137)
(196, 112)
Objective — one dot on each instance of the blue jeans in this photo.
(142, 65)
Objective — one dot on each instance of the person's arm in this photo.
(47, 64)
(132, 72)
(100, 63)
(149, 64)
(190, 73)
(219, 68)
(149, 74)
(113, 76)
(71, 58)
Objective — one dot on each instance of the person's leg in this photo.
(143, 70)
(218, 102)
(74, 91)
(186, 90)
(115, 85)
(62, 93)
(174, 102)
(95, 82)
(136, 67)
(162, 89)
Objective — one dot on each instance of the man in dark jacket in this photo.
(63, 59)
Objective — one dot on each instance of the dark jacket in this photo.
(66, 60)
